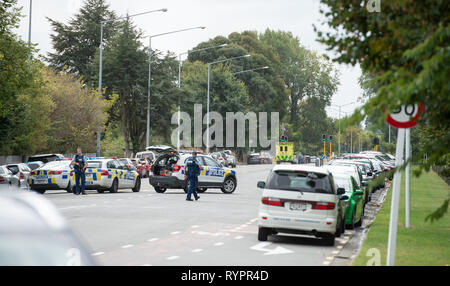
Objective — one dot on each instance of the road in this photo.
(147, 228)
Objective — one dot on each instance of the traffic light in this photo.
(331, 138)
(324, 137)
(284, 138)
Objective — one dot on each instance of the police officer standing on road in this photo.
(80, 164)
(191, 172)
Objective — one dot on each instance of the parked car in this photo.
(21, 172)
(355, 172)
(220, 157)
(266, 158)
(301, 199)
(232, 157)
(7, 177)
(254, 158)
(33, 233)
(108, 174)
(45, 158)
(54, 175)
(168, 173)
(35, 165)
(354, 213)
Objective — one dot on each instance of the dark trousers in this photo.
(192, 187)
(79, 176)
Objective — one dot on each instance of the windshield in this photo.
(56, 164)
(299, 181)
(95, 164)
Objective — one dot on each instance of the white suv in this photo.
(168, 173)
(299, 199)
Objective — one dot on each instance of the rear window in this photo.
(342, 182)
(13, 169)
(299, 181)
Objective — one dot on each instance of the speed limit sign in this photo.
(405, 116)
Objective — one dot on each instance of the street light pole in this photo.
(150, 71)
(101, 61)
(209, 77)
(29, 30)
(339, 140)
(257, 69)
(180, 63)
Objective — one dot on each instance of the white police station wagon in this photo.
(109, 174)
(54, 175)
(168, 173)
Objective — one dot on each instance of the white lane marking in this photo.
(195, 226)
(238, 237)
(329, 258)
(339, 247)
(197, 250)
(97, 253)
(127, 246)
(77, 207)
(218, 243)
(335, 252)
(153, 239)
(146, 265)
(175, 232)
(262, 247)
(172, 257)
(326, 263)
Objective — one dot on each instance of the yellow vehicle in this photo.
(285, 152)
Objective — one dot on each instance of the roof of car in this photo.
(332, 168)
(305, 168)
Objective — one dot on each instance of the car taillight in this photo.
(271, 202)
(22, 176)
(176, 168)
(150, 167)
(55, 172)
(33, 173)
(71, 173)
(105, 173)
(2, 179)
(323, 206)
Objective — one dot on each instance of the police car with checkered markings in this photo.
(109, 174)
(54, 175)
(168, 173)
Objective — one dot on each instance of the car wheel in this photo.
(329, 239)
(359, 223)
(114, 186)
(40, 191)
(338, 230)
(69, 188)
(100, 191)
(160, 190)
(229, 185)
(263, 233)
(137, 186)
(201, 190)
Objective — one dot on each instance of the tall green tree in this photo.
(77, 42)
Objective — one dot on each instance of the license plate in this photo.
(41, 177)
(41, 181)
(297, 207)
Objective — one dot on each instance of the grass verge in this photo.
(424, 243)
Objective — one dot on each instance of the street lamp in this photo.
(339, 148)
(29, 30)
(180, 63)
(257, 69)
(150, 72)
(209, 77)
(101, 59)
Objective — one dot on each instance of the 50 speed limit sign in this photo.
(405, 116)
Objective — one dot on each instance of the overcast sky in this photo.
(221, 17)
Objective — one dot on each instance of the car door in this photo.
(359, 198)
(215, 173)
(123, 173)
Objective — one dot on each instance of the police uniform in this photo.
(193, 170)
(79, 173)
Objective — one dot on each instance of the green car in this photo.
(354, 211)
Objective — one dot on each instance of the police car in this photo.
(54, 175)
(109, 174)
(168, 173)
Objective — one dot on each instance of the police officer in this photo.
(80, 164)
(191, 172)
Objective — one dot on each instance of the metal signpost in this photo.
(403, 119)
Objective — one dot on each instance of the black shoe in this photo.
(189, 200)
(84, 194)
(197, 198)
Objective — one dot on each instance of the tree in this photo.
(76, 43)
(405, 49)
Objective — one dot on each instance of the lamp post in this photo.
(29, 29)
(150, 72)
(209, 77)
(257, 69)
(101, 60)
(180, 63)
(340, 106)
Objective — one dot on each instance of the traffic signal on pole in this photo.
(283, 138)
(331, 138)
(324, 137)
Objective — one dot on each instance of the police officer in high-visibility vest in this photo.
(80, 164)
(191, 172)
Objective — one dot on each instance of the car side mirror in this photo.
(359, 192)
(369, 174)
(340, 191)
(261, 185)
(344, 198)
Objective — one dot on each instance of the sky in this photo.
(221, 17)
